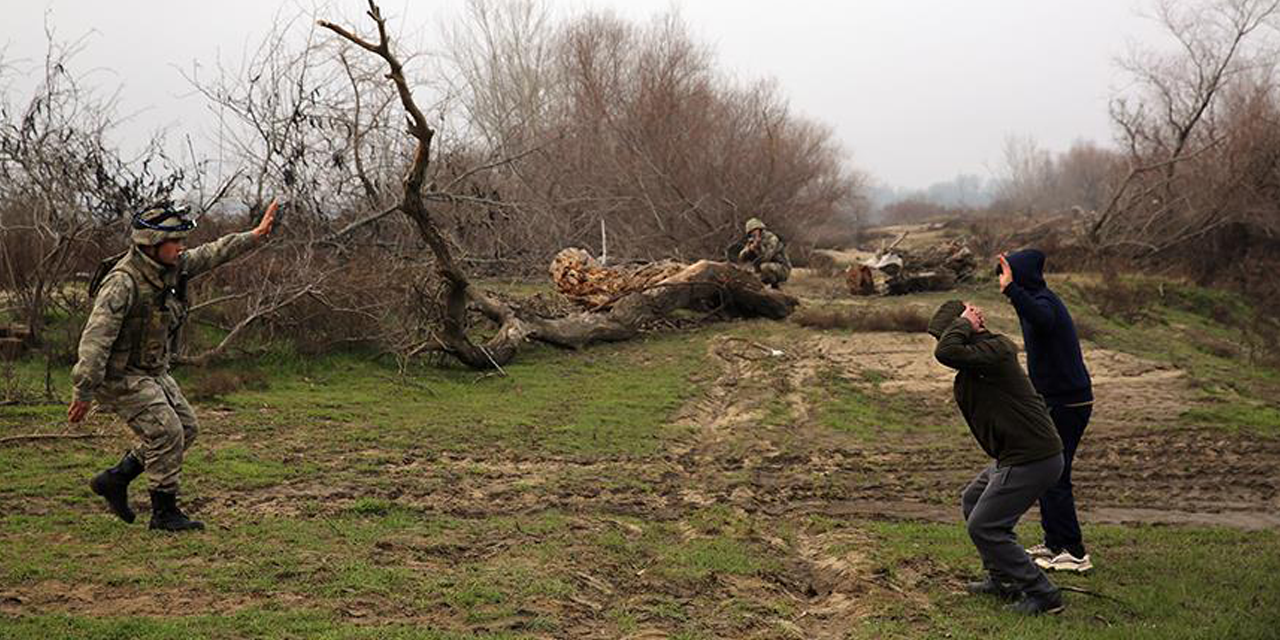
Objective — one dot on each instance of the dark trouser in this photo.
(1058, 504)
(992, 504)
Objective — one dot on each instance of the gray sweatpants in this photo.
(993, 503)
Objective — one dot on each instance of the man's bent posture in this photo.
(1009, 420)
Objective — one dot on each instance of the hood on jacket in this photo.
(944, 316)
(1028, 268)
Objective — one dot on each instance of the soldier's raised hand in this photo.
(268, 220)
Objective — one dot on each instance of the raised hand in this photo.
(1006, 273)
(268, 220)
(975, 317)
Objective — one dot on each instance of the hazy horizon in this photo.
(916, 92)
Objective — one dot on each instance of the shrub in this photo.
(1085, 330)
(907, 319)
(822, 264)
(1119, 299)
(216, 383)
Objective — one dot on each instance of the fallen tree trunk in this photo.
(935, 268)
(704, 286)
(584, 281)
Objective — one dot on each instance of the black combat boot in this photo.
(993, 587)
(113, 486)
(166, 516)
(1034, 605)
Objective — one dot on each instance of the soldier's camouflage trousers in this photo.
(774, 273)
(162, 419)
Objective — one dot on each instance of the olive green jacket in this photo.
(1004, 412)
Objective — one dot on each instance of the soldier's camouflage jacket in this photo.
(770, 249)
(136, 314)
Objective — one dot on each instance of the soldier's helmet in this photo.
(169, 221)
(753, 224)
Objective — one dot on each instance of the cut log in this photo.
(935, 268)
(860, 280)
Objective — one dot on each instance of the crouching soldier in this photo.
(124, 355)
(766, 253)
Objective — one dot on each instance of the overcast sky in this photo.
(917, 91)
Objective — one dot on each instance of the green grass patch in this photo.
(614, 400)
(1159, 582)
(1206, 332)
(1234, 415)
(240, 467)
(861, 409)
(257, 622)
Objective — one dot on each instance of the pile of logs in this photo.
(937, 268)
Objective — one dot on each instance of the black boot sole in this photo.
(197, 526)
(121, 511)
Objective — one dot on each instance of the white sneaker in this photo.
(1065, 562)
(1040, 551)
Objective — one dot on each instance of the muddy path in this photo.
(1136, 464)
(751, 440)
(1132, 468)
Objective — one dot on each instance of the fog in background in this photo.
(917, 92)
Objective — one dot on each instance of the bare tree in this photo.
(1035, 181)
(700, 285)
(631, 126)
(1175, 120)
(63, 186)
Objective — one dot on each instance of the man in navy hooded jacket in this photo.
(1058, 372)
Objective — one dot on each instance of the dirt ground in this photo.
(1126, 470)
(1129, 470)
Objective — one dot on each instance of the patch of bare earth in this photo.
(1135, 463)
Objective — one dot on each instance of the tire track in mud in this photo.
(738, 456)
(753, 443)
(1136, 464)
(1131, 468)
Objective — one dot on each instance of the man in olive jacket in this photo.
(1011, 423)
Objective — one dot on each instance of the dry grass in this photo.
(906, 319)
(215, 383)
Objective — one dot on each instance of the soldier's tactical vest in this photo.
(782, 257)
(149, 331)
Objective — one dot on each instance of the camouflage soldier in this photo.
(767, 254)
(124, 355)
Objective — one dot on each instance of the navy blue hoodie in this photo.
(1053, 350)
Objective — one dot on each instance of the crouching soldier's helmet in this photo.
(171, 221)
(753, 224)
